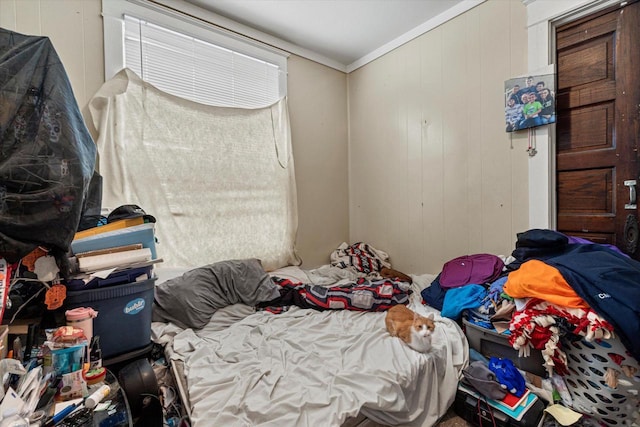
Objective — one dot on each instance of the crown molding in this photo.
(274, 42)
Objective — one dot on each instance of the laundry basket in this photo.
(588, 363)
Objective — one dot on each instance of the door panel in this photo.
(598, 109)
(589, 63)
(577, 187)
(573, 34)
(590, 128)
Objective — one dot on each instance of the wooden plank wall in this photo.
(433, 174)
(75, 29)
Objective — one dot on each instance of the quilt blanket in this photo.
(360, 295)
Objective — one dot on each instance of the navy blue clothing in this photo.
(537, 244)
(434, 294)
(607, 280)
(610, 283)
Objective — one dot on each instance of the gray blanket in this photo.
(190, 300)
(309, 368)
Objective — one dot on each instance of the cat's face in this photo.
(424, 326)
(421, 332)
(423, 329)
(421, 338)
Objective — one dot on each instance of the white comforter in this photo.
(312, 368)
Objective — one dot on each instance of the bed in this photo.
(239, 365)
(307, 367)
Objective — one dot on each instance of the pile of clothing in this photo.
(553, 286)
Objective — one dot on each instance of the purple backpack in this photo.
(477, 269)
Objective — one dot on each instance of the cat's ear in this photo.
(430, 316)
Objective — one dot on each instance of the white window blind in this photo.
(198, 70)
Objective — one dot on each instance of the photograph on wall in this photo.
(529, 102)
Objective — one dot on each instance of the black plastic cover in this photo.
(47, 156)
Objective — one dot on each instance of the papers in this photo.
(11, 400)
(103, 274)
(563, 415)
(9, 366)
(106, 261)
(60, 406)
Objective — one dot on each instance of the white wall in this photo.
(75, 29)
(318, 112)
(433, 174)
(317, 102)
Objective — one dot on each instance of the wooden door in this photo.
(598, 127)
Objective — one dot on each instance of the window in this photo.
(189, 58)
(220, 181)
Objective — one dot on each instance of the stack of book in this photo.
(513, 406)
(114, 277)
(120, 252)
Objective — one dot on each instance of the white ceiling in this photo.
(344, 34)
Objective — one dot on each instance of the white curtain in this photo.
(220, 181)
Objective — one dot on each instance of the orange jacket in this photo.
(539, 280)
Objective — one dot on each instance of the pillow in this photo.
(190, 300)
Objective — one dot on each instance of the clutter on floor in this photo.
(535, 328)
(76, 287)
(72, 332)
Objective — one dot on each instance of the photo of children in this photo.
(529, 102)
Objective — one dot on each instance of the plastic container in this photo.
(116, 225)
(478, 412)
(143, 233)
(490, 343)
(82, 317)
(124, 323)
(67, 360)
(95, 376)
(588, 363)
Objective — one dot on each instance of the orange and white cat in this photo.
(411, 327)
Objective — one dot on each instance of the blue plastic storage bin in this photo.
(143, 233)
(124, 315)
